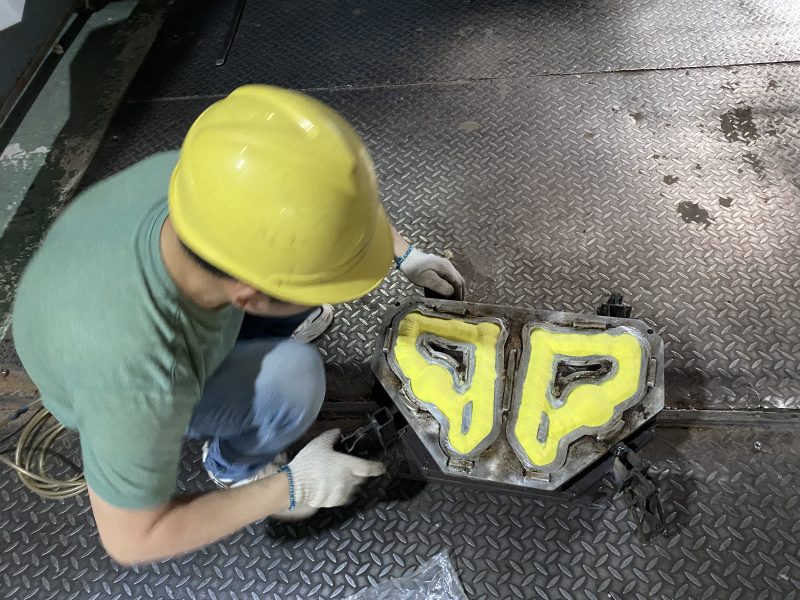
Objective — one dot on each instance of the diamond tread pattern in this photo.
(351, 42)
(680, 189)
(731, 497)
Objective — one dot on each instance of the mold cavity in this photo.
(455, 356)
(570, 371)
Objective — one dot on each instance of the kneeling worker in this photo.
(130, 319)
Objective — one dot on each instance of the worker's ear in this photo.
(251, 301)
(242, 296)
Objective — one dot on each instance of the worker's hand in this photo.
(433, 272)
(325, 478)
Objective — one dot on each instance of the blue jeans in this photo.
(264, 396)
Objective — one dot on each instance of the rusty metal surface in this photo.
(100, 69)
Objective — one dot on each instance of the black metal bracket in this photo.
(615, 307)
(376, 437)
(386, 436)
(631, 479)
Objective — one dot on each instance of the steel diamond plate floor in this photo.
(732, 497)
(334, 43)
(559, 149)
(680, 188)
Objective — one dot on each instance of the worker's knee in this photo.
(291, 382)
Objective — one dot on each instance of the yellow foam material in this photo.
(433, 384)
(587, 404)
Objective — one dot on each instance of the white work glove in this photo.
(323, 478)
(433, 272)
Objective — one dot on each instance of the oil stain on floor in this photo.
(738, 126)
(692, 212)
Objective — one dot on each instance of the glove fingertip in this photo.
(369, 468)
(444, 288)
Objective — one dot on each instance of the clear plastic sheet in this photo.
(435, 579)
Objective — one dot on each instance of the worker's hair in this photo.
(204, 264)
(212, 270)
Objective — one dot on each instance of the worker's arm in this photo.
(321, 477)
(400, 243)
(183, 525)
(427, 270)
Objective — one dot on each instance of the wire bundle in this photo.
(35, 443)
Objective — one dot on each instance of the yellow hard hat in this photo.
(277, 190)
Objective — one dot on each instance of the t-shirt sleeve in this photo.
(131, 449)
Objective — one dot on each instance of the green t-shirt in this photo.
(116, 351)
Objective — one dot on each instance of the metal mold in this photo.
(497, 459)
(445, 353)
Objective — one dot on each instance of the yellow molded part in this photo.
(433, 384)
(586, 405)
